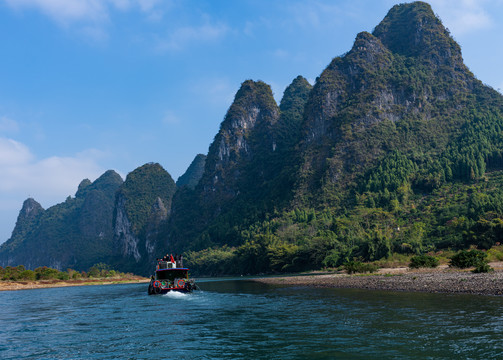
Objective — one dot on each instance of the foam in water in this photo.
(176, 295)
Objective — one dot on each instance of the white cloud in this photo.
(214, 91)
(94, 33)
(148, 5)
(11, 153)
(89, 17)
(281, 53)
(170, 118)
(183, 36)
(122, 5)
(314, 14)
(8, 125)
(50, 179)
(463, 16)
(68, 11)
(65, 11)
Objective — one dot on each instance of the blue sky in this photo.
(92, 85)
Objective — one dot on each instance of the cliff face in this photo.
(292, 111)
(408, 74)
(244, 137)
(126, 240)
(142, 206)
(194, 172)
(98, 199)
(76, 233)
(30, 213)
(413, 30)
(154, 241)
(397, 116)
(248, 169)
(235, 169)
(108, 221)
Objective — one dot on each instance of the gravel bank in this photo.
(432, 281)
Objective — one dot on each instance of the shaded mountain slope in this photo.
(397, 148)
(76, 233)
(142, 207)
(194, 172)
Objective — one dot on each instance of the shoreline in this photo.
(8, 285)
(441, 280)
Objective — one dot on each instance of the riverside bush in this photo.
(468, 258)
(10, 273)
(46, 273)
(27, 275)
(483, 267)
(423, 261)
(353, 267)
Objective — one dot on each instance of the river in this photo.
(240, 319)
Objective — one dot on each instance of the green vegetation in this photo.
(194, 172)
(482, 267)
(395, 152)
(423, 261)
(377, 177)
(357, 267)
(454, 216)
(140, 191)
(19, 273)
(77, 231)
(472, 258)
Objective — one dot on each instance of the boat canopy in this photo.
(172, 274)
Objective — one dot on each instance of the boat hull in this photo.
(168, 277)
(152, 290)
(159, 291)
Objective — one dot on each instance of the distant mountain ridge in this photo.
(194, 172)
(76, 233)
(396, 148)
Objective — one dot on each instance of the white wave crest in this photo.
(176, 295)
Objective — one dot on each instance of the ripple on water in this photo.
(240, 319)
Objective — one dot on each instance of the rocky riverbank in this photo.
(442, 280)
(25, 285)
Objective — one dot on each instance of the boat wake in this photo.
(176, 295)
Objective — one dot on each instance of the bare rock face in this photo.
(402, 89)
(31, 210)
(158, 216)
(341, 80)
(237, 166)
(142, 207)
(28, 216)
(74, 234)
(125, 239)
(244, 136)
(402, 73)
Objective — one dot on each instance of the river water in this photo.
(240, 319)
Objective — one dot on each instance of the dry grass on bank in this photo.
(25, 285)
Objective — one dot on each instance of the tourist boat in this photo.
(170, 276)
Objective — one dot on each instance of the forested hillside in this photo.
(396, 148)
(399, 151)
(76, 233)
